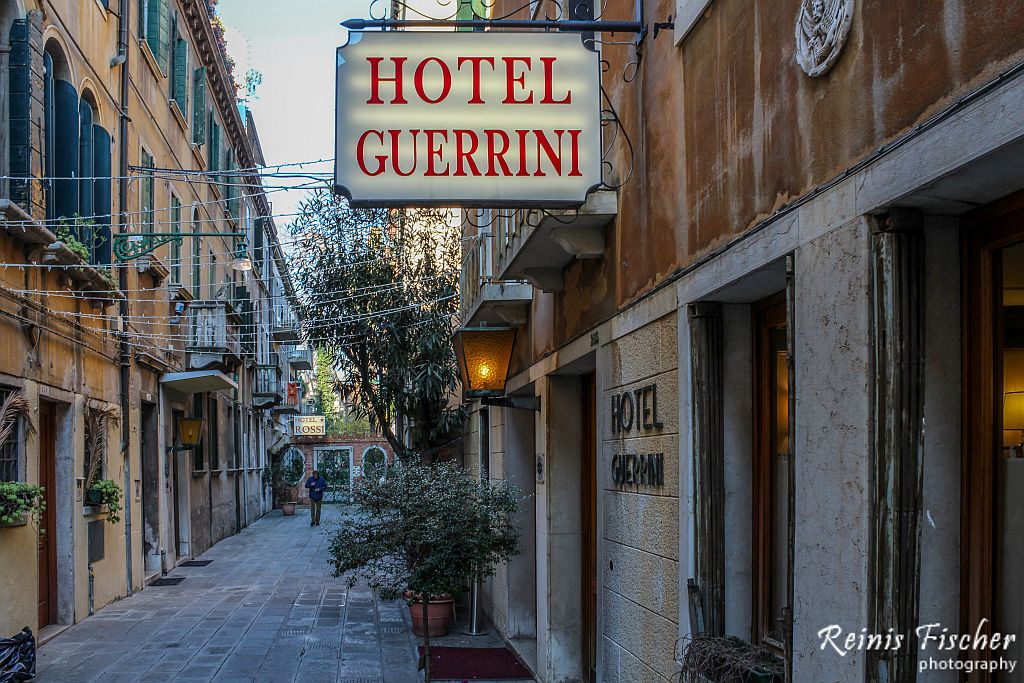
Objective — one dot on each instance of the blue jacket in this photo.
(316, 487)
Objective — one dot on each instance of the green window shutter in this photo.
(214, 153)
(19, 81)
(163, 57)
(143, 19)
(180, 76)
(146, 193)
(199, 106)
(152, 32)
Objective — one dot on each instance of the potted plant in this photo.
(17, 500)
(728, 659)
(284, 476)
(421, 531)
(100, 492)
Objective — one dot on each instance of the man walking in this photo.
(316, 485)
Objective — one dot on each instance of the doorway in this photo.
(588, 518)
(150, 488)
(335, 464)
(47, 563)
(993, 472)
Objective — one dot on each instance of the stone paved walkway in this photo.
(265, 609)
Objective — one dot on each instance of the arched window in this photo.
(95, 183)
(61, 118)
(374, 462)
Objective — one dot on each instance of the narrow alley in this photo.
(265, 608)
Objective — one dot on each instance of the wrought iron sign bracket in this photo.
(519, 402)
(563, 25)
(131, 245)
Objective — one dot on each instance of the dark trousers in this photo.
(314, 511)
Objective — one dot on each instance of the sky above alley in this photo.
(293, 46)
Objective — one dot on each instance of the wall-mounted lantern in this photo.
(190, 433)
(484, 355)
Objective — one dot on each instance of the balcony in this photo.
(268, 389)
(211, 342)
(301, 359)
(285, 328)
(536, 246)
(499, 303)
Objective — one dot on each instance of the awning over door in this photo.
(197, 381)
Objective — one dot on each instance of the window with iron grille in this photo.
(9, 451)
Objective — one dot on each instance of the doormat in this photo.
(168, 581)
(476, 664)
(195, 563)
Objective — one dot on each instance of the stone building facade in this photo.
(104, 107)
(814, 262)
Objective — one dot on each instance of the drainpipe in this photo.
(121, 60)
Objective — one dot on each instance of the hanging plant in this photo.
(17, 499)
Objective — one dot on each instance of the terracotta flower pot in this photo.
(288, 509)
(439, 614)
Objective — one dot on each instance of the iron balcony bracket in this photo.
(131, 245)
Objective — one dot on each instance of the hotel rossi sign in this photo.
(472, 119)
(309, 425)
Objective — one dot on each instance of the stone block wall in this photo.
(639, 556)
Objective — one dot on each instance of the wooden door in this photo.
(588, 516)
(992, 593)
(47, 575)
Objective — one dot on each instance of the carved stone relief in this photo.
(821, 31)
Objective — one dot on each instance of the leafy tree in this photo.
(380, 293)
(425, 529)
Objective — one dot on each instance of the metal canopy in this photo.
(197, 381)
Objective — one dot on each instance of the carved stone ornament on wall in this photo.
(821, 31)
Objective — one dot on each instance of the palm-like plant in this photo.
(15, 406)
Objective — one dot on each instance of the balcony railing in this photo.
(301, 359)
(285, 327)
(268, 381)
(537, 246)
(211, 341)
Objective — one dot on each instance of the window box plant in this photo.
(18, 501)
(105, 493)
(422, 530)
(728, 659)
(100, 492)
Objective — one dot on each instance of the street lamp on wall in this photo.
(190, 433)
(484, 355)
(242, 261)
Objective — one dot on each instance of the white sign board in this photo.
(309, 425)
(467, 118)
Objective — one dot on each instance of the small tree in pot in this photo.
(425, 529)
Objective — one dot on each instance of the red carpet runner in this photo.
(475, 664)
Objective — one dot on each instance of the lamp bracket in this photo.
(517, 402)
(179, 449)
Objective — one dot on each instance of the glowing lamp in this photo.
(190, 431)
(484, 354)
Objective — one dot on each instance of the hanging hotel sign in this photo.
(467, 118)
(309, 425)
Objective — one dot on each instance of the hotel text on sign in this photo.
(309, 425)
(467, 119)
